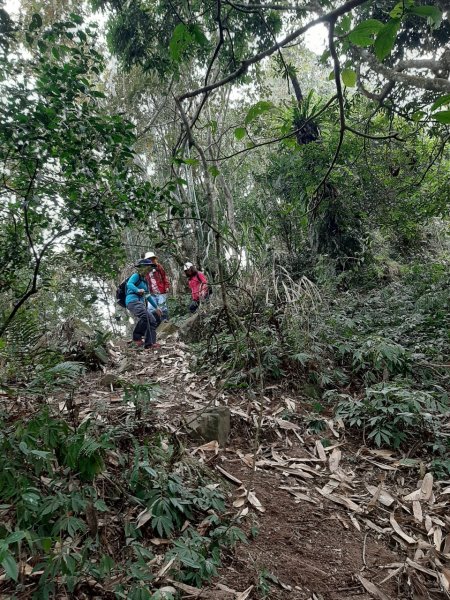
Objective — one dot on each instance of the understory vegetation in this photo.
(93, 501)
(376, 356)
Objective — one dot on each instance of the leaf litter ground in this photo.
(326, 521)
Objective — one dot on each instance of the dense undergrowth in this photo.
(99, 507)
(377, 356)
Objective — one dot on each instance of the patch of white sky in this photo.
(314, 39)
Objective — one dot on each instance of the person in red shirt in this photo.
(158, 285)
(198, 284)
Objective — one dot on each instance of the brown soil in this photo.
(305, 547)
(297, 549)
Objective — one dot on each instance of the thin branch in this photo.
(258, 7)
(438, 84)
(33, 289)
(390, 136)
(283, 137)
(219, 43)
(245, 64)
(340, 97)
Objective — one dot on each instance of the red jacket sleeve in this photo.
(203, 288)
(164, 280)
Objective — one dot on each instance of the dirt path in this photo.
(328, 520)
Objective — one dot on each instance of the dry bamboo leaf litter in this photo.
(244, 595)
(373, 590)
(334, 460)
(399, 531)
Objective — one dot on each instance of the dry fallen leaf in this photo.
(143, 517)
(334, 460)
(373, 590)
(338, 499)
(209, 447)
(165, 568)
(329, 487)
(383, 496)
(255, 502)
(437, 538)
(399, 531)
(446, 549)
(420, 567)
(229, 475)
(417, 510)
(247, 459)
(426, 488)
(445, 579)
(320, 451)
(355, 523)
(244, 595)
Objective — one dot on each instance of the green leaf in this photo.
(193, 162)
(76, 18)
(240, 132)
(363, 33)
(349, 77)
(432, 13)
(10, 566)
(55, 53)
(385, 40)
(325, 56)
(36, 22)
(15, 536)
(397, 11)
(197, 35)
(344, 24)
(214, 171)
(331, 76)
(442, 101)
(442, 117)
(418, 115)
(179, 41)
(258, 109)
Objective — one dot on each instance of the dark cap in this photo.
(145, 262)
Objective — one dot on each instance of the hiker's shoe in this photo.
(153, 347)
(138, 343)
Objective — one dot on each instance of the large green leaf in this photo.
(179, 41)
(385, 39)
(198, 35)
(10, 566)
(442, 101)
(183, 37)
(239, 133)
(363, 33)
(258, 109)
(443, 117)
(349, 77)
(429, 12)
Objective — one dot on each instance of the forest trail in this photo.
(331, 519)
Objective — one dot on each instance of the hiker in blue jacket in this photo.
(136, 302)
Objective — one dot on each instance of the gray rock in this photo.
(212, 424)
(167, 328)
(109, 379)
(190, 329)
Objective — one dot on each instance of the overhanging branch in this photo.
(245, 64)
